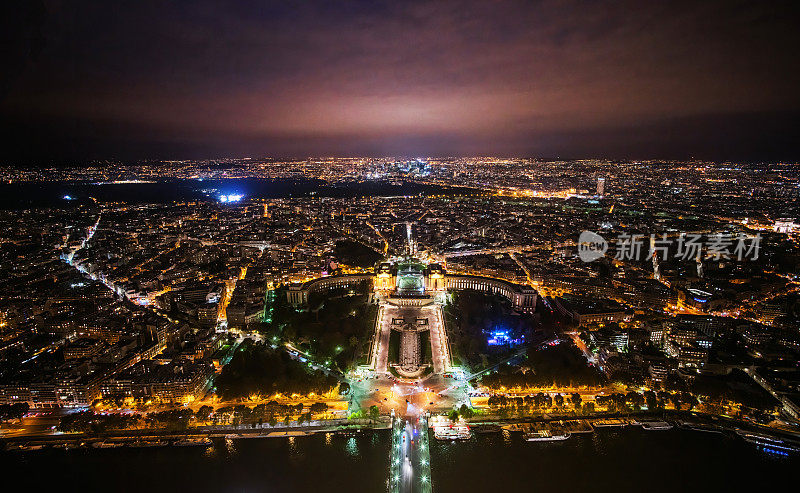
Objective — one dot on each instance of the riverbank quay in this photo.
(574, 425)
(137, 437)
(679, 419)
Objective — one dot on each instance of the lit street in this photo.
(410, 457)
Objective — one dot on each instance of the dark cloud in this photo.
(172, 79)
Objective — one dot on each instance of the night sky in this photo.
(639, 79)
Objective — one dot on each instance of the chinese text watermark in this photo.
(684, 246)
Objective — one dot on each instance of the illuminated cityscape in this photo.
(422, 305)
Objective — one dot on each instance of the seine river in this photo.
(61, 194)
(609, 460)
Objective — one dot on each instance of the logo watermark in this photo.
(687, 246)
(591, 246)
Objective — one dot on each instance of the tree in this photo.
(466, 411)
(259, 369)
(576, 400)
(242, 412)
(651, 400)
(318, 407)
(619, 401)
(453, 415)
(13, 411)
(273, 421)
(689, 399)
(663, 398)
(204, 413)
(374, 413)
(19, 409)
(286, 420)
(635, 400)
(676, 400)
(559, 400)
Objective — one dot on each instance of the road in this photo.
(591, 358)
(384, 329)
(439, 348)
(410, 457)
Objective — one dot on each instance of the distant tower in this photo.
(656, 265)
(601, 185)
(411, 248)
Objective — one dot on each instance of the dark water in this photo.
(302, 464)
(51, 194)
(628, 460)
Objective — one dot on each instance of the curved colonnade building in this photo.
(394, 281)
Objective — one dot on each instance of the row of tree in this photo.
(653, 400)
(536, 401)
(264, 412)
(94, 422)
(619, 402)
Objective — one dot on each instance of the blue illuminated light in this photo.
(503, 338)
(231, 197)
(773, 451)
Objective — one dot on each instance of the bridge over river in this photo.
(410, 459)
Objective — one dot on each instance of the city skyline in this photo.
(403, 303)
(433, 245)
